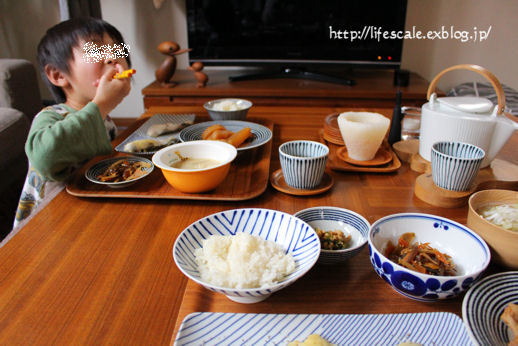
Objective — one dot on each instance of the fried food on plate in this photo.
(162, 129)
(123, 170)
(220, 133)
(510, 318)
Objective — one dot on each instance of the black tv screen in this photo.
(295, 32)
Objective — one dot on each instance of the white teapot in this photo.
(471, 120)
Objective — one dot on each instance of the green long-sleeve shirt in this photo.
(58, 142)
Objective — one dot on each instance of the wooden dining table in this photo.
(101, 270)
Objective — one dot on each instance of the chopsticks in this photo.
(125, 74)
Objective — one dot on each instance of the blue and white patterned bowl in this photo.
(294, 235)
(260, 134)
(455, 165)
(239, 114)
(483, 305)
(332, 219)
(469, 253)
(303, 163)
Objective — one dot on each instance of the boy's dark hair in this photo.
(56, 46)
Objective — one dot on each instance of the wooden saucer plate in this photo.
(278, 182)
(333, 139)
(331, 125)
(337, 164)
(382, 157)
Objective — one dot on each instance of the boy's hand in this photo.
(110, 92)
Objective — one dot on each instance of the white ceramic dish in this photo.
(331, 219)
(435, 328)
(469, 253)
(483, 305)
(238, 114)
(294, 235)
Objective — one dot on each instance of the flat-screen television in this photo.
(296, 33)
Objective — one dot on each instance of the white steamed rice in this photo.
(227, 105)
(242, 261)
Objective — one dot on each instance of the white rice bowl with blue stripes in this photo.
(292, 237)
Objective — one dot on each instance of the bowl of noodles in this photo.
(426, 257)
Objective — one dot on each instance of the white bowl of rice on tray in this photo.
(246, 254)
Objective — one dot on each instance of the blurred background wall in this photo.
(24, 22)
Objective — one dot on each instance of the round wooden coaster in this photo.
(427, 191)
(405, 149)
(278, 182)
(420, 165)
(382, 157)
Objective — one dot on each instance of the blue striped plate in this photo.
(260, 134)
(434, 328)
(293, 234)
(100, 167)
(483, 305)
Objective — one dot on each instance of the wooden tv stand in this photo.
(374, 89)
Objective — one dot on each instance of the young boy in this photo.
(78, 128)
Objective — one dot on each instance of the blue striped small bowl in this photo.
(293, 234)
(331, 219)
(303, 163)
(455, 165)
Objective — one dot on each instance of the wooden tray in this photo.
(337, 164)
(248, 178)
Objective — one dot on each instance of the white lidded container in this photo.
(468, 119)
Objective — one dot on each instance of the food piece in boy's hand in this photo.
(110, 92)
(125, 74)
(161, 129)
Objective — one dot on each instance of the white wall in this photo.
(144, 27)
(498, 53)
(22, 24)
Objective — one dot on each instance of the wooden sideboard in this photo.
(374, 88)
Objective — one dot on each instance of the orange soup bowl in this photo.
(195, 180)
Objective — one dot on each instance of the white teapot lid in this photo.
(468, 104)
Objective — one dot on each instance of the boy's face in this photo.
(83, 76)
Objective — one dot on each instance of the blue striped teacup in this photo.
(455, 164)
(303, 163)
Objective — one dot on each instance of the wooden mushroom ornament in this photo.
(166, 71)
(201, 77)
